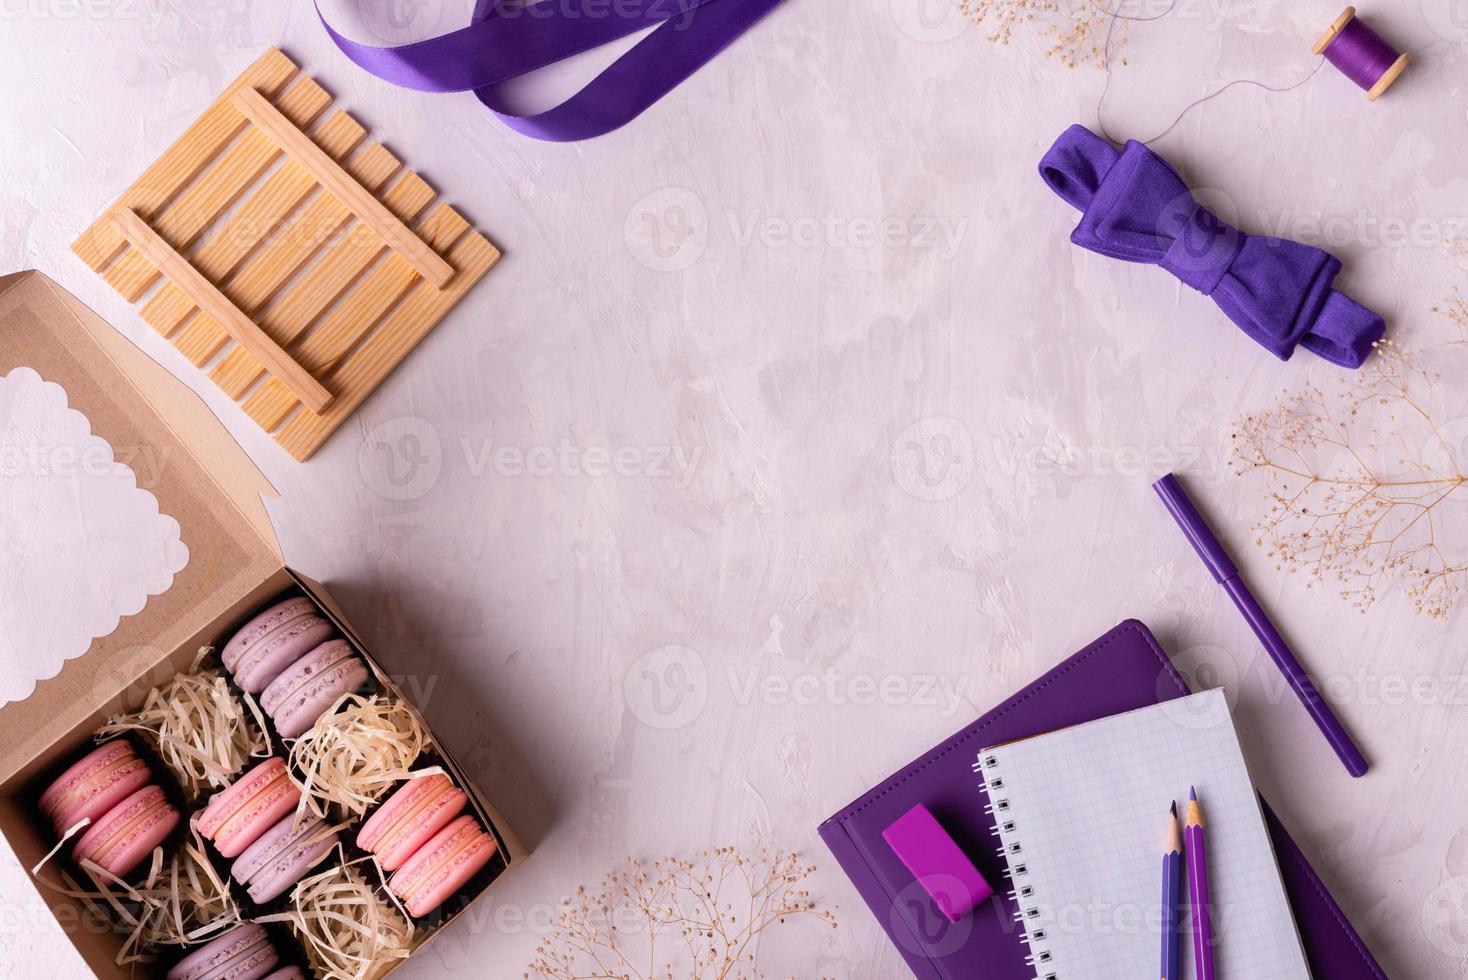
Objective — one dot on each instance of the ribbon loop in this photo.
(1136, 208)
(503, 43)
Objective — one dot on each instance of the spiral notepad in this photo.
(1079, 816)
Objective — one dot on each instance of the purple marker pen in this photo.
(1224, 572)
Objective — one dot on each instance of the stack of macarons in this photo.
(282, 855)
(287, 656)
(419, 835)
(237, 816)
(254, 822)
(114, 789)
(243, 953)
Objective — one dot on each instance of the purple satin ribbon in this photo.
(1136, 208)
(500, 44)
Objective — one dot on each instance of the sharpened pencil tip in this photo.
(1192, 793)
(1173, 809)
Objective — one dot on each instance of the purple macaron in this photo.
(274, 640)
(243, 953)
(282, 856)
(308, 687)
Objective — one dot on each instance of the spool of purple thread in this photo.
(1361, 54)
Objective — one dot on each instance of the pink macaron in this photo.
(103, 778)
(236, 817)
(410, 817)
(126, 834)
(243, 953)
(306, 688)
(287, 973)
(282, 856)
(442, 866)
(274, 640)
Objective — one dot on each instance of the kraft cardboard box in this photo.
(201, 478)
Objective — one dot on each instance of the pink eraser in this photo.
(938, 864)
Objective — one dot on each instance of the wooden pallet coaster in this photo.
(297, 259)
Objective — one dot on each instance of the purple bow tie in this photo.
(1135, 207)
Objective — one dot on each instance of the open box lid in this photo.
(182, 455)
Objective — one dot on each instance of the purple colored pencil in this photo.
(1172, 880)
(1198, 890)
(1211, 551)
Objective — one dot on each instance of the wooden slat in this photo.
(226, 246)
(388, 344)
(286, 132)
(183, 161)
(269, 269)
(342, 264)
(216, 189)
(212, 301)
(352, 318)
(320, 258)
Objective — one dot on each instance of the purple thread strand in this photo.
(1361, 54)
(1113, 17)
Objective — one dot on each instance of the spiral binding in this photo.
(1016, 872)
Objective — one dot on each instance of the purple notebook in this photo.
(1123, 670)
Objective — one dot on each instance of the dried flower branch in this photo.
(1364, 484)
(1455, 311)
(696, 919)
(1076, 29)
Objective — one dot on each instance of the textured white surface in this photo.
(791, 432)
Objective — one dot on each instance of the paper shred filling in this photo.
(201, 731)
(355, 753)
(345, 927)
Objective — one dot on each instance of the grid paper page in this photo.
(1082, 832)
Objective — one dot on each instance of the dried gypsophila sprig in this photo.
(202, 732)
(1455, 311)
(357, 750)
(1362, 482)
(709, 912)
(1075, 29)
